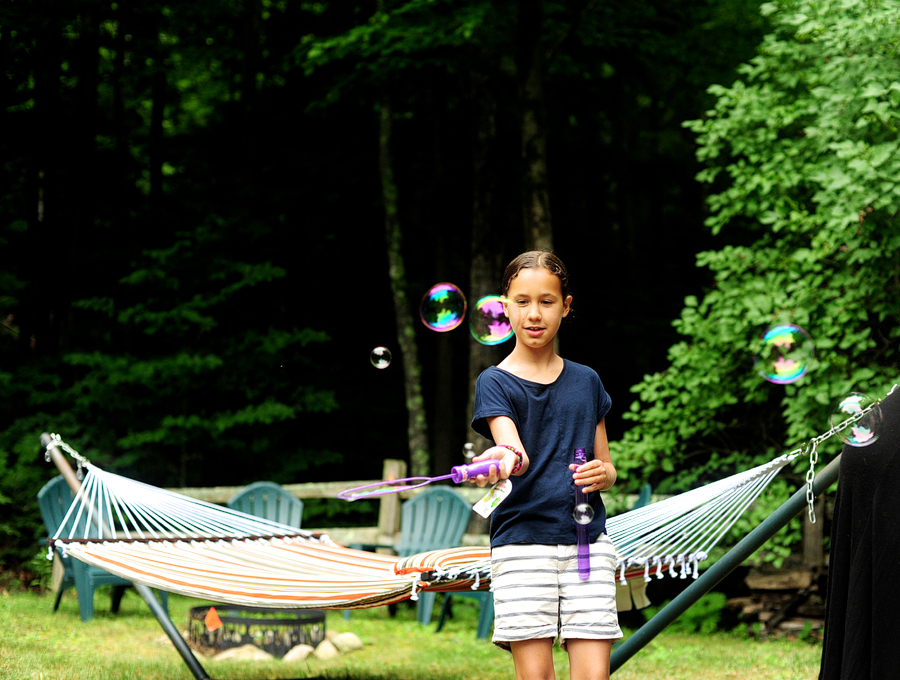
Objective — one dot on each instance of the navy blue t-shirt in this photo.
(552, 420)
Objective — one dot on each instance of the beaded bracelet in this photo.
(518, 453)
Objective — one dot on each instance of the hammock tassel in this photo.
(477, 580)
(647, 578)
(622, 574)
(417, 577)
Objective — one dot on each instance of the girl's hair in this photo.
(537, 259)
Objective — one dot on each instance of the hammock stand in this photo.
(146, 594)
(728, 563)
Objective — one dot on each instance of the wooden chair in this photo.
(54, 501)
(269, 501)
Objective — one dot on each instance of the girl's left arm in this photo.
(598, 474)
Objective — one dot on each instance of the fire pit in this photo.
(276, 631)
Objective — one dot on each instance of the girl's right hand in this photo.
(506, 461)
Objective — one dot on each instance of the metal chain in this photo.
(813, 447)
(56, 440)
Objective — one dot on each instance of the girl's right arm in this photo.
(505, 433)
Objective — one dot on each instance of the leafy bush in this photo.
(703, 616)
(802, 155)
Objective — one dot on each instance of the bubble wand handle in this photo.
(582, 533)
(458, 475)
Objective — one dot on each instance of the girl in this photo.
(538, 408)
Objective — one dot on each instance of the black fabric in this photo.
(862, 619)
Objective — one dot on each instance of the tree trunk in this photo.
(530, 69)
(417, 427)
(487, 250)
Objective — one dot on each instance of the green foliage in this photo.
(808, 142)
(803, 157)
(188, 344)
(701, 617)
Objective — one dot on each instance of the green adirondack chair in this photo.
(269, 501)
(54, 501)
(485, 601)
(436, 518)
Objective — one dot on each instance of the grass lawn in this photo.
(37, 644)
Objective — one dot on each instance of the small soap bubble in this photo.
(784, 354)
(583, 513)
(469, 450)
(443, 307)
(487, 321)
(380, 357)
(864, 430)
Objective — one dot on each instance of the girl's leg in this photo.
(533, 659)
(589, 659)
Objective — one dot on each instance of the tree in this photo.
(803, 157)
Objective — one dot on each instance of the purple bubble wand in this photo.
(583, 516)
(458, 474)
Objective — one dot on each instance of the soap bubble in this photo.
(863, 431)
(583, 513)
(380, 357)
(443, 307)
(487, 322)
(784, 354)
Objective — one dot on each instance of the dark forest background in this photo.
(204, 210)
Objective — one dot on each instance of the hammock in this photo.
(183, 545)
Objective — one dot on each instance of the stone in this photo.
(346, 642)
(246, 652)
(298, 653)
(326, 650)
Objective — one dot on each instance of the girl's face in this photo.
(536, 307)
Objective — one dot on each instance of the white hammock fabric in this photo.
(679, 532)
(182, 545)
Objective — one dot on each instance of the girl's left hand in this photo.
(592, 476)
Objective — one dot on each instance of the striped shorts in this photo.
(538, 593)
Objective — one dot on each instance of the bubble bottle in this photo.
(583, 515)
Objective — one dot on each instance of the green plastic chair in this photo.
(54, 501)
(269, 501)
(436, 518)
(485, 601)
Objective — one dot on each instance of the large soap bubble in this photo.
(487, 321)
(865, 429)
(443, 307)
(784, 354)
